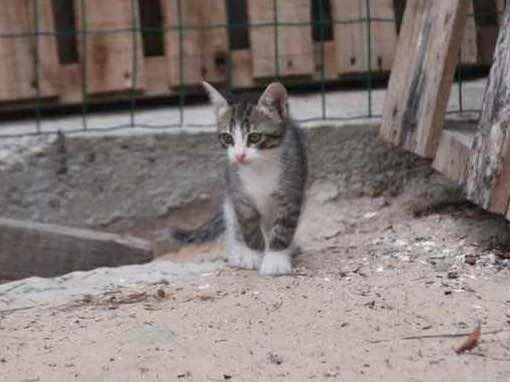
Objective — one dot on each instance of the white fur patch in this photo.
(239, 255)
(276, 263)
(260, 179)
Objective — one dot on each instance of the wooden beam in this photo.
(108, 47)
(292, 44)
(486, 17)
(469, 47)
(157, 76)
(454, 151)
(242, 68)
(422, 74)
(198, 28)
(351, 35)
(325, 60)
(488, 181)
(21, 71)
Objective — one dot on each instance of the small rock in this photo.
(452, 275)
(275, 358)
(324, 191)
(470, 259)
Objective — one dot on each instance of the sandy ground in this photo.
(385, 290)
(380, 292)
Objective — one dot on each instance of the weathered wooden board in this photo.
(488, 180)
(47, 250)
(325, 60)
(290, 44)
(487, 20)
(422, 74)
(157, 76)
(454, 151)
(351, 35)
(500, 5)
(112, 53)
(469, 47)
(24, 75)
(197, 41)
(242, 68)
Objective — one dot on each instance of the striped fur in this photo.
(266, 178)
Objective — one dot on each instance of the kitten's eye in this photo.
(226, 138)
(254, 137)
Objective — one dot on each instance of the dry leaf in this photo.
(470, 342)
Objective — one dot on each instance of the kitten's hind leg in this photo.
(245, 243)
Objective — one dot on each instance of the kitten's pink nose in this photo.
(241, 157)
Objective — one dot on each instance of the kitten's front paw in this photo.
(276, 263)
(244, 257)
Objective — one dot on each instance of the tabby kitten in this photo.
(265, 176)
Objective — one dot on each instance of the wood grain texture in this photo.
(487, 21)
(469, 46)
(242, 68)
(28, 62)
(325, 60)
(108, 48)
(351, 35)
(488, 181)
(422, 74)
(198, 29)
(454, 151)
(293, 45)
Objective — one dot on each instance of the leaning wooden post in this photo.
(488, 175)
(422, 74)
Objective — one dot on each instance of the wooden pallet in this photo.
(91, 50)
(478, 157)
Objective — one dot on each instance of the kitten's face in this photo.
(248, 131)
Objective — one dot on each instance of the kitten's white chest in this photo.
(260, 180)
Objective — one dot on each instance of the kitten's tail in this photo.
(207, 232)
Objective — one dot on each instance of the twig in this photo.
(428, 336)
(12, 310)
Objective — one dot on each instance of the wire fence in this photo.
(148, 49)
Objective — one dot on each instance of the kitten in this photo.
(266, 175)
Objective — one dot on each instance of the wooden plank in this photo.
(204, 41)
(500, 5)
(214, 47)
(157, 76)
(108, 51)
(422, 74)
(70, 83)
(488, 181)
(351, 35)
(292, 44)
(48, 250)
(329, 66)
(454, 151)
(19, 75)
(468, 48)
(486, 18)
(242, 68)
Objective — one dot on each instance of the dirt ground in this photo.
(381, 292)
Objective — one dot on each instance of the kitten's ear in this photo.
(215, 96)
(274, 100)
